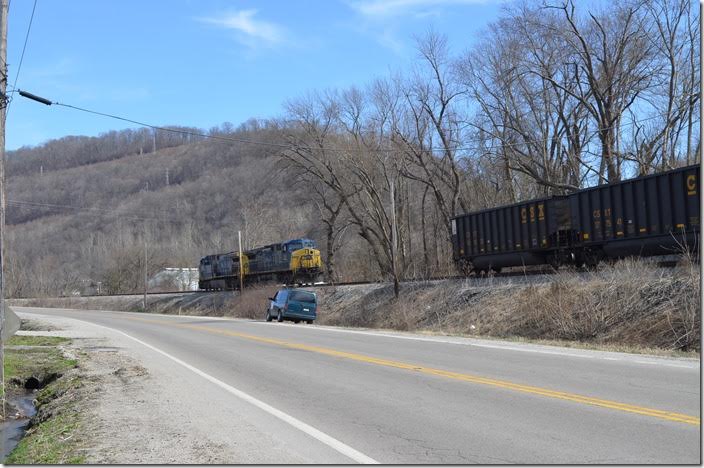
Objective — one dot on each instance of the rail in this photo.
(507, 274)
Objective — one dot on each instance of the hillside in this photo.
(72, 224)
(373, 172)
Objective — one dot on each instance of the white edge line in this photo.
(508, 347)
(296, 423)
(639, 359)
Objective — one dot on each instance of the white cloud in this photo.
(385, 9)
(383, 19)
(248, 27)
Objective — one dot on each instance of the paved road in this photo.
(333, 395)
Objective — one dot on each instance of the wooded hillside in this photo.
(551, 99)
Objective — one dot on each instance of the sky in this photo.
(201, 63)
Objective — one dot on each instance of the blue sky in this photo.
(204, 62)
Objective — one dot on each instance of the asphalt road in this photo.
(330, 395)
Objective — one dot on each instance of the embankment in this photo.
(631, 305)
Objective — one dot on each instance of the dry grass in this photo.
(632, 304)
(629, 305)
(251, 304)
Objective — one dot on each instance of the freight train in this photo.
(290, 262)
(650, 215)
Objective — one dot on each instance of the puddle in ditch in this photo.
(20, 410)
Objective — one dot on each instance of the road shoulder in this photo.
(141, 409)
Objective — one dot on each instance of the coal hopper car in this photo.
(650, 215)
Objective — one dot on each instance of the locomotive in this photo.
(651, 215)
(293, 261)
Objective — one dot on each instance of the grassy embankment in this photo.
(53, 436)
(630, 306)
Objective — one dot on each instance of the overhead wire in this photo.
(133, 216)
(172, 130)
(24, 49)
(325, 148)
(269, 144)
(236, 140)
(107, 211)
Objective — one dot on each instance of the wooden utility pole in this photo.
(394, 238)
(4, 8)
(239, 243)
(144, 300)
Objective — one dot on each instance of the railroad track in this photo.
(327, 285)
(506, 274)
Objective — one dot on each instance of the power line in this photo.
(107, 211)
(166, 129)
(24, 48)
(325, 148)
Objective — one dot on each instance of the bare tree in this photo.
(527, 123)
(610, 54)
(345, 145)
(427, 127)
(674, 94)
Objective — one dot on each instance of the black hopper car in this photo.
(650, 215)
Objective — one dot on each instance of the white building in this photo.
(174, 279)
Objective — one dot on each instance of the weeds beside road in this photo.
(632, 305)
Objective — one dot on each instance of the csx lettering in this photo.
(691, 184)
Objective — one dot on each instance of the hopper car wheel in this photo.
(268, 316)
(309, 322)
(296, 321)
(279, 317)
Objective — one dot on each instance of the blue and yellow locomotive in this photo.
(290, 262)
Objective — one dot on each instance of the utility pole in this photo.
(4, 8)
(239, 242)
(144, 299)
(167, 176)
(394, 237)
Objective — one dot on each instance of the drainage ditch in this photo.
(19, 411)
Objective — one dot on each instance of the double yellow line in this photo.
(615, 405)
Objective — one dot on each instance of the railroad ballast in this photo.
(650, 215)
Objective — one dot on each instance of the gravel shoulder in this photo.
(132, 409)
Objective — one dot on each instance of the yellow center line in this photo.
(656, 413)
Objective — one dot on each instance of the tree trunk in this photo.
(426, 257)
(330, 254)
